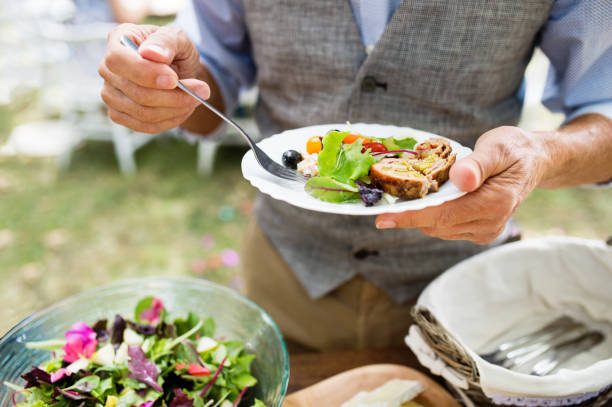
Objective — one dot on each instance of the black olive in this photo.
(291, 158)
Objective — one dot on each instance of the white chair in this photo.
(63, 59)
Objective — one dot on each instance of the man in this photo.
(453, 68)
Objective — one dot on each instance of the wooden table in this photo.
(310, 368)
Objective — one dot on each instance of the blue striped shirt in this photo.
(577, 39)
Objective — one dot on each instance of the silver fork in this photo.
(527, 343)
(565, 351)
(262, 158)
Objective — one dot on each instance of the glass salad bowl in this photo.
(236, 317)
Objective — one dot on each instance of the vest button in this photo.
(368, 84)
(362, 254)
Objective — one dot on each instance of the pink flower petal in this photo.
(80, 341)
(207, 241)
(55, 376)
(153, 314)
(73, 348)
(230, 257)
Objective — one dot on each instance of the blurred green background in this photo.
(63, 231)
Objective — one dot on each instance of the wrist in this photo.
(549, 157)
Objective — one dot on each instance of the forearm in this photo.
(578, 153)
(203, 121)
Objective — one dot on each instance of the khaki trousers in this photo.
(356, 315)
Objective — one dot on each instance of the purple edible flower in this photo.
(80, 342)
(141, 368)
(147, 404)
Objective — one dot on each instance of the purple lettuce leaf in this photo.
(100, 330)
(369, 194)
(73, 395)
(143, 329)
(117, 331)
(36, 376)
(141, 368)
(181, 399)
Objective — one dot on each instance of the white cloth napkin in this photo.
(518, 288)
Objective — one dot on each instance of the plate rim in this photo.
(363, 210)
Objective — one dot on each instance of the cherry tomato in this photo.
(314, 145)
(351, 138)
(374, 147)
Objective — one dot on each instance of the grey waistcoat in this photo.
(451, 67)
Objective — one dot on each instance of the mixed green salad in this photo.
(145, 361)
(341, 161)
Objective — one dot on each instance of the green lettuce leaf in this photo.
(329, 190)
(332, 143)
(343, 162)
(399, 143)
(184, 325)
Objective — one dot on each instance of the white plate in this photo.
(294, 193)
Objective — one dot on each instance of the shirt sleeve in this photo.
(578, 41)
(218, 29)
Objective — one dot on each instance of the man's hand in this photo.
(506, 165)
(140, 89)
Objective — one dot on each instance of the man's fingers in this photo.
(465, 209)
(475, 227)
(156, 97)
(467, 174)
(128, 64)
(117, 100)
(490, 157)
(143, 127)
(165, 45)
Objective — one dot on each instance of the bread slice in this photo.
(394, 393)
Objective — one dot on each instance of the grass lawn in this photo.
(61, 233)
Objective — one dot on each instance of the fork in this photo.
(527, 343)
(545, 349)
(567, 350)
(262, 158)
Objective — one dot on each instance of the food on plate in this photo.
(415, 176)
(144, 361)
(349, 167)
(314, 145)
(394, 393)
(291, 159)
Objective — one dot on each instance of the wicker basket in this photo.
(449, 352)
(453, 354)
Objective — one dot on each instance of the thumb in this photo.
(469, 173)
(166, 44)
